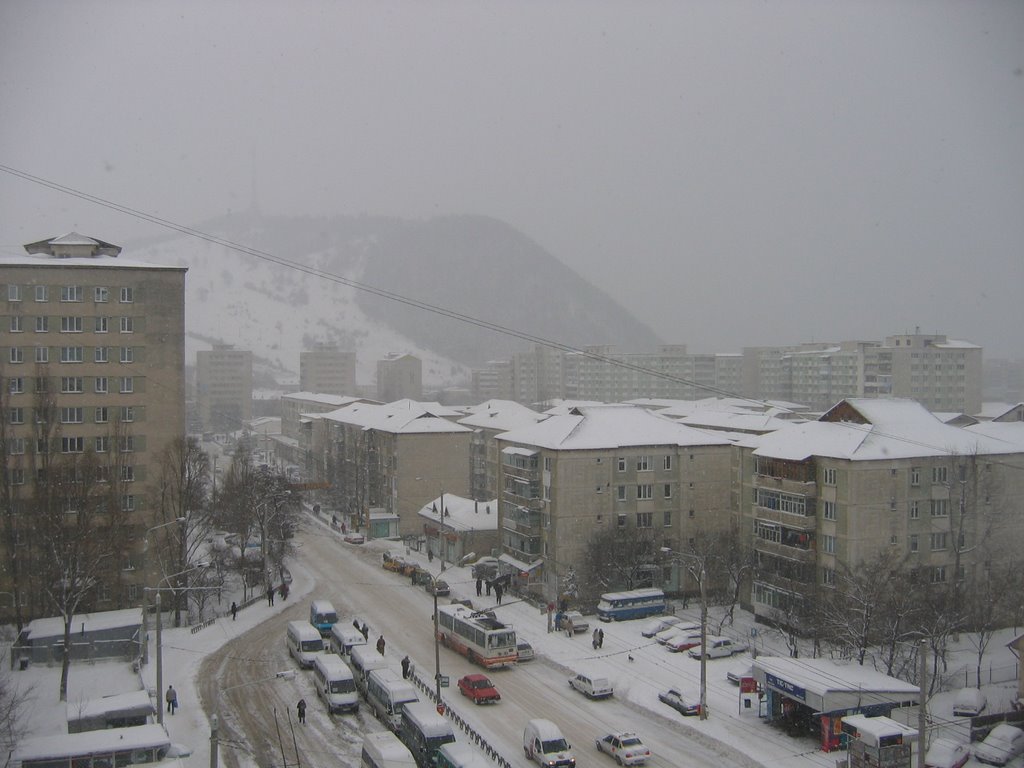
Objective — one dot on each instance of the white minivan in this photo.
(387, 694)
(591, 685)
(362, 660)
(304, 643)
(335, 684)
(343, 637)
(544, 743)
(384, 750)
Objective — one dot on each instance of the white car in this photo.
(673, 632)
(1002, 744)
(969, 702)
(683, 642)
(592, 686)
(739, 670)
(654, 626)
(626, 748)
(946, 753)
(719, 648)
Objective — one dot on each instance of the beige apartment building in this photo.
(224, 387)
(96, 343)
(607, 467)
(874, 476)
(488, 420)
(399, 377)
(327, 370)
(390, 460)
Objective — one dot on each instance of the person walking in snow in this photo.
(234, 610)
(172, 699)
(301, 706)
(380, 645)
(600, 638)
(593, 642)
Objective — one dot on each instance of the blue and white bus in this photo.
(634, 604)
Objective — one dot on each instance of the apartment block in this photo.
(92, 356)
(399, 377)
(487, 421)
(328, 370)
(224, 387)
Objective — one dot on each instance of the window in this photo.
(42, 293)
(101, 294)
(666, 491)
(620, 520)
(666, 519)
(127, 473)
(621, 461)
(42, 354)
(913, 542)
(15, 323)
(830, 476)
(99, 355)
(644, 491)
(127, 324)
(101, 385)
(71, 325)
(101, 444)
(644, 519)
(894, 540)
(915, 475)
(939, 508)
(127, 354)
(691, 514)
(102, 324)
(667, 463)
(915, 510)
(72, 444)
(127, 385)
(14, 293)
(16, 385)
(17, 355)
(71, 293)
(41, 447)
(42, 324)
(828, 510)
(643, 463)
(128, 503)
(101, 415)
(127, 444)
(71, 354)
(548, 463)
(939, 474)
(828, 544)
(127, 295)
(127, 413)
(16, 415)
(42, 385)
(620, 493)
(938, 541)
(71, 415)
(828, 577)
(71, 384)
(938, 575)
(16, 445)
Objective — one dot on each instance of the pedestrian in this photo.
(172, 699)
(234, 610)
(489, 584)
(600, 638)
(355, 623)
(593, 642)
(497, 592)
(479, 586)
(270, 595)
(301, 706)
(430, 555)
(284, 591)
(365, 631)
(380, 645)
(405, 667)
(568, 627)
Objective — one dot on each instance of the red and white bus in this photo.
(478, 636)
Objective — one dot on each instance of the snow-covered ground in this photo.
(637, 666)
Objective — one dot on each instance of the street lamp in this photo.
(701, 576)
(437, 646)
(145, 578)
(215, 718)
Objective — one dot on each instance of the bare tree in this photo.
(619, 558)
(990, 607)
(14, 705)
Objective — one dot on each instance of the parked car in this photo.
(440, 587)
(969, 702)
(625, 747)
(675, 699)
(683, 642)
(525, 650)
(739, 670)
(485, 568)
(592, 686)
(354, 538)
(719, 648)
(946, 753)
(668, 633)
(478, 688)
(1003, 743)
(654, 626)
(579, 624)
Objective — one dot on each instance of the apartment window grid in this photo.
(830, 476)
(70, 324)
(127, 385)
(101, 385)
(620, 493)
(643, 463)
(101, 324)
(42, 354)
(101, 443)
(17, 476)
(69, 415)
(666, 491)
(72, 444)
(16, 415)
(127, 354)
(915, 510)
(14, 293)
(17, 355)
(127, 413)
(939, 475)
(127, 444)
(16, 385)
(15, 324)
(828, 544)
(16, 446)
(666, 518)
(913, 542)
(72, 385)
(939, 541)
(72, 354)
(71, 293)
(127, 295)
(621, 463)
(620, 520)
(101, 415)
(644, 491)
(128, 502)
(101, 355)
(127, 473)
(667, 463)
(939, 508)
(101, 294)
(42, 293)
(828, 510)
(127, 325)
(938, 575)
(644, 519)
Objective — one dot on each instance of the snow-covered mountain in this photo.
(286, 290)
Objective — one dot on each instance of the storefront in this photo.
(811, 696)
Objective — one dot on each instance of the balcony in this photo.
(804, 553)
(787, 519)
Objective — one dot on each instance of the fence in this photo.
(968, 676)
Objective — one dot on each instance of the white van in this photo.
(591, 685)
(335, 684)
(460, 755)
(384, 750)
(304, 643)
(424, 730)
(387, 694)
(544, 743)
(322, 616)
(343, 637)
(362, 660)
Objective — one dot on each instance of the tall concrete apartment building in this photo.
(399, 377)
(327, 370)
(610, 376)
(92, 354)
(224, 387)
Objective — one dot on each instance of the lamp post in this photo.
(700, 573)
(145, 578)
(437, 647)
(215, 718)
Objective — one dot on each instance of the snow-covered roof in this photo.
(462, 514)
(119, 702)
(758, 423)
(433, 408)
(824, 676)
(609, 426)
(88, 742)
(1011, 432)
(319, 397)
(501, 415)
(561, 407)
(84, 623)
(403, 419)
(892, 429)
(955, 344)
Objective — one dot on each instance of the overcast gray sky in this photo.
(735, 172)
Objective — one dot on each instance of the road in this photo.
(257, 710)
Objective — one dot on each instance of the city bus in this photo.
(478, 636)
(634, 604)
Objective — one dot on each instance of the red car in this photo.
(479, 688)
